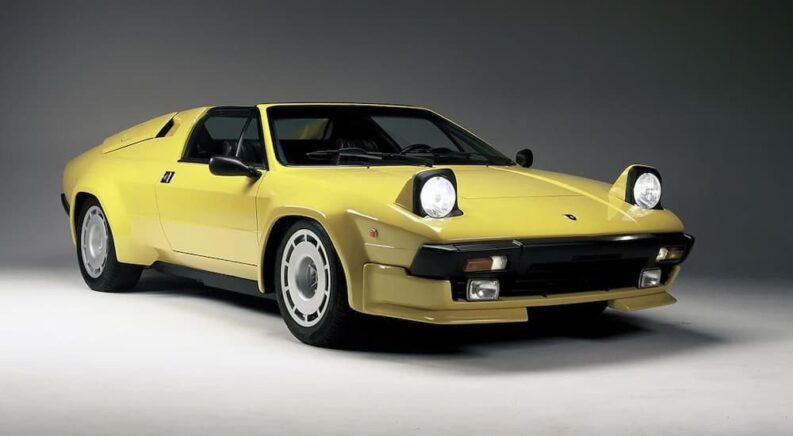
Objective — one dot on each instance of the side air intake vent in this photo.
(165, 129)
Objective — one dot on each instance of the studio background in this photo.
(701, 90)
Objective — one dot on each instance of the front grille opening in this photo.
(569, 277)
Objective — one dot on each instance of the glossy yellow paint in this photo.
(141, 132)
(222, 224)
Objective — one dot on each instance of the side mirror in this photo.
(525, 158)
(231, 166)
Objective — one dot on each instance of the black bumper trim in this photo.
(211, 279)
(447, 261)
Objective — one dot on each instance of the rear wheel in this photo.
(96, 252)
(311, 289)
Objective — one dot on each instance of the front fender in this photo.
(382, 235)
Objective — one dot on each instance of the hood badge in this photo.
(570, 216)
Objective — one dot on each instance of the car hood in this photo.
(486, 182)
(497, 202)
(512, 202)
(499, 182)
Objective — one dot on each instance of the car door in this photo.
(208, 215)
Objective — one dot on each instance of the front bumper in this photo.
(540, 272)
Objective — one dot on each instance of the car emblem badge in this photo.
(570, 216)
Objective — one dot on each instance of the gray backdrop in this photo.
(701, 90)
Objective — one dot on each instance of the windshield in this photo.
(370, 135)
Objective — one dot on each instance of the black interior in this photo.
(295, 150)
(338, 127)
(349, 130)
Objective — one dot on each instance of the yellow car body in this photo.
(229, 225)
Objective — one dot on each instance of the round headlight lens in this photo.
(647, 191)
(438, 197)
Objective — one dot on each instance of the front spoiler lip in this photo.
(446, 261)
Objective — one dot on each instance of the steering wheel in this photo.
(415, 147)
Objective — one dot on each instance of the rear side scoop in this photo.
(141, 132)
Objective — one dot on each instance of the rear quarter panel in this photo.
(123, 179)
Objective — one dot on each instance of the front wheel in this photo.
(311, 289)
(96, 252)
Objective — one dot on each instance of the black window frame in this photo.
(251, 111)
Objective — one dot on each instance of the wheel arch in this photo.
(275, 234)
(128, 249)
(77, 205)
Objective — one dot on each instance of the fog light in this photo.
(669, 253)
(650, 278)
(492, 263)
(482, 290)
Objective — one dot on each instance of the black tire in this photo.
(115, 276)
(338, 325)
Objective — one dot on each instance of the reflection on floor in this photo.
(174, 357)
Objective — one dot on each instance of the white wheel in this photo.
(96, 252)
(305, 278)
(311, 288)
(94, 241)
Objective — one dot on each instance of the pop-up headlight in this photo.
(644, 187)
(435, 194)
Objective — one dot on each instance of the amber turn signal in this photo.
(492, 263)
(669, 253)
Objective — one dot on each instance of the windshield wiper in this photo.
(369, 155)
(434, 153)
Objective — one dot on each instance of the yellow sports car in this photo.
(387, 210)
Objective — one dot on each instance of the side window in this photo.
(226, 133)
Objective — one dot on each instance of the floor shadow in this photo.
(563, 343)
(545, 343)
(156, 283)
